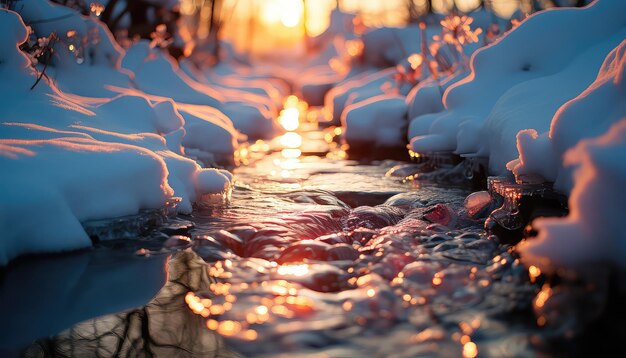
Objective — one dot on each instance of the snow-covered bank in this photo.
(158, 75)
(520, 81)
(94, 147)
(416, 64)
(588, 115)
(593, 231)
(584, 153)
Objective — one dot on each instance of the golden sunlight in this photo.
(293, 270)
(291, 140)
(287, 12)
(290, 119)
(470, 350)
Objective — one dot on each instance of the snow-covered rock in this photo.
(337, 98)
(533, 103)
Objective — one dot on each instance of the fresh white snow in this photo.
(100, 141)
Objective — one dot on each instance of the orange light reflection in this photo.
(289, 118)
(291, 140)
(293, 270)
(291, 153)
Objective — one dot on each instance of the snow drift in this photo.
(68, 158)
(521, 80)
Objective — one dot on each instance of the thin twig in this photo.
(53, 38)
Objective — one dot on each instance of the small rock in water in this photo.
(177, 242)
(142, 252)
(477, 204)
(177, 227)
(441, 214)
(406, 201)
(403, 170)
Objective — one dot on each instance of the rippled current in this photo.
(312, 255)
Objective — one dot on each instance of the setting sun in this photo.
(287, 12)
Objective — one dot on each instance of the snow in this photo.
(42, 211)
(593, 231)
(588, 115)
(336, 99)
(386, 113)
(388, 46)
(532, 104)
(584, 154)
(248, 114)
(390, 49)
(520, 81)
(103, 149)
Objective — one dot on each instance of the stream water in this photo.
(311, 255)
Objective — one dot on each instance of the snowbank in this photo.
(100, 75)
(68, 158)
(329, 61)
(379, 121)
(236, 79)
(388, 46)
(86, 58)
(588, 115)
(157, 74)
(593, 231)
(584, 153)
(336, 98)
(521, 76)
(398, 48)
(45, 198)
(533, 104)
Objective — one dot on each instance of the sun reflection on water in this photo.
(289, 118)
(291, 153)
(243, 323)
(291, 140)
(293, 270)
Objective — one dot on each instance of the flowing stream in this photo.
(311, 255)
